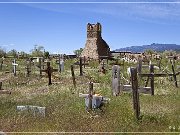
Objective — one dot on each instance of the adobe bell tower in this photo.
(95, 46)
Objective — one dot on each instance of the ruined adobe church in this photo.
(95, 46)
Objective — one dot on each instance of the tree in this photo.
(2, 52)
(78, 52)
(46, 54)
(13, 53)
(149, 51)
(37, 51)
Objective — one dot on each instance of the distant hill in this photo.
(154, 46)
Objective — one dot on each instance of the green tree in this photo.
(78, 52)
(38, 51)
(2, 52)
(46, 54)
(13, 53)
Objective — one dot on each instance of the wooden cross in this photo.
(80, 65)
(2, 91)
(174, 74)
(92, 100)
(49, 70)
(41, 66)
(28, 67)
(14, 67)
(152, 75)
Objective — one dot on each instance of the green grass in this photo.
(65, 111)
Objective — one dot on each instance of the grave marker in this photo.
(80, 65)
(92, 100)
(174, 74)
(73, 76)
(115, 80)
(14, 67)
(49, 70)
(28, 67)
(134, 81)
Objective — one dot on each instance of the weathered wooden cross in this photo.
(49, 70)
(41, 66)
(92, 100)
(80, 65)
(152, 75)
(14, 66)
(117, 87)
(28, 67)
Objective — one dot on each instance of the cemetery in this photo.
(95, 92)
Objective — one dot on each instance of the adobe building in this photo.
(95, 46)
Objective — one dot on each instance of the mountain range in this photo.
(155, 46)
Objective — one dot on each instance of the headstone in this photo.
(102, 67)
(37, 110)
(62, 65)
(115, 80)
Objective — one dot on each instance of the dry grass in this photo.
(65, 111)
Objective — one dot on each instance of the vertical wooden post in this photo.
(59, 59)
(159, 63)
(123, 65)
(90, 95)
(28, 67)
(80, 66)
(14, 67)
(40, 68)
(136, 105)
(152, 78)
(84, 61)
(49, 72)
(42, 63)
(0, 85)
(1, 64)
(174, 74)
(73, 76)
(139, 65)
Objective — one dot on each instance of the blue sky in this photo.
(61, 27)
